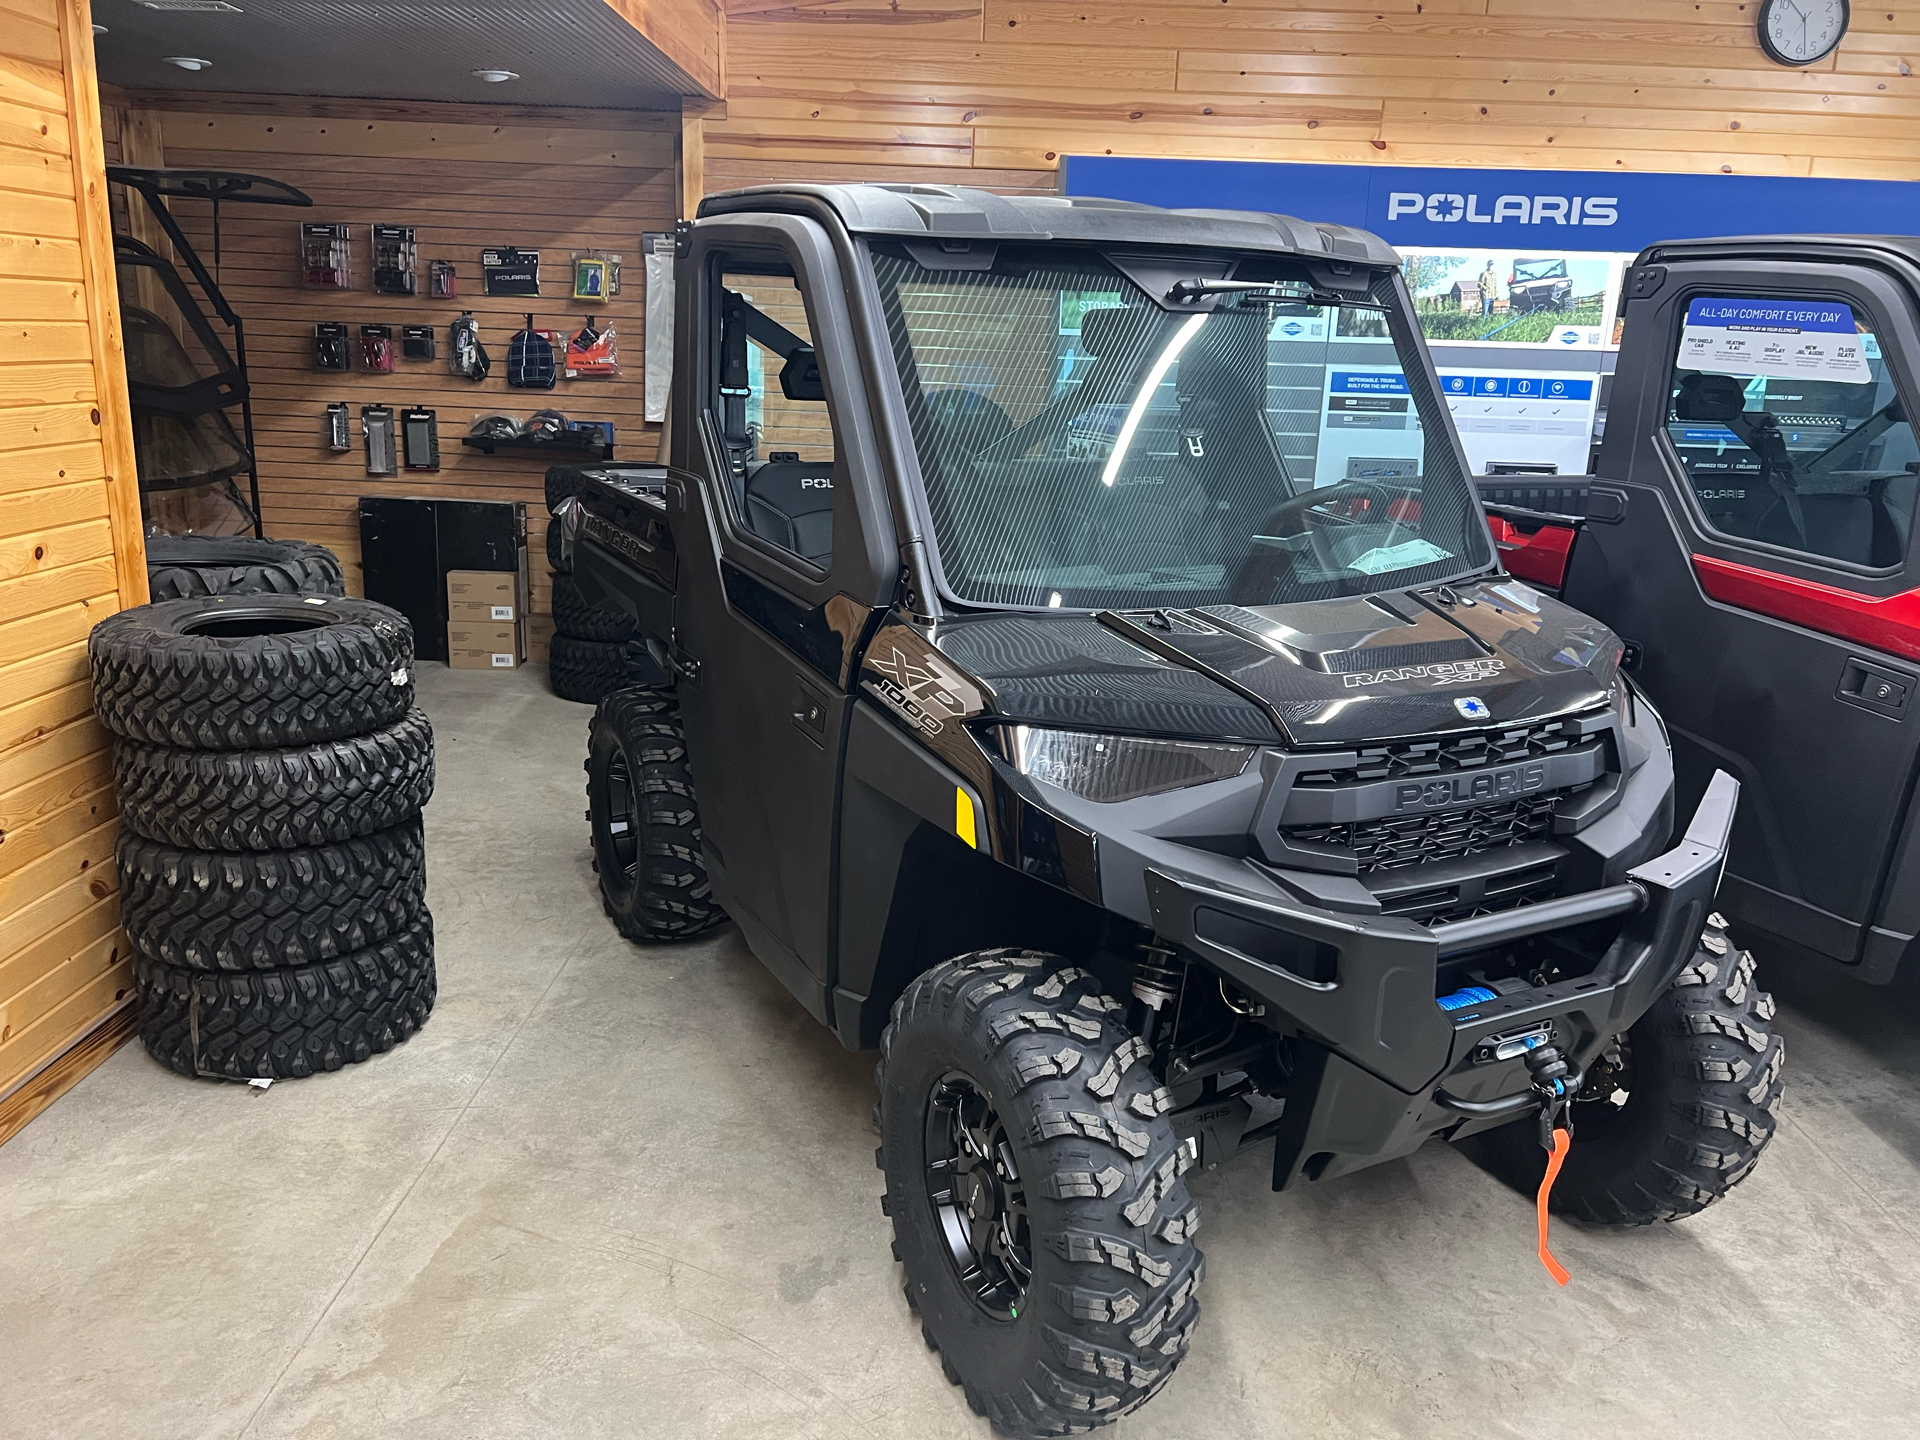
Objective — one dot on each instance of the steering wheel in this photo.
(1296, 516)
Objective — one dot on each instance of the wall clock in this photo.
(1799, 32)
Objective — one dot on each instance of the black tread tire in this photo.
(182, 567)
(1111, 1307)
(668, 896)
(156, 681)
(556, 561)
(1706, 1082)
(563, 481)
(261, 910)
(579, 619)
(590, 670)
(292, 1022)
(277, 799)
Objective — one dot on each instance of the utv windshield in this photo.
(1525, 270)
(1086, 447)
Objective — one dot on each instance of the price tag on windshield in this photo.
(1399, 557)
(1789, 339)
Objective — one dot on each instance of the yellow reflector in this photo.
(963, 825)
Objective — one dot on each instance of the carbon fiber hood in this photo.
(1329, 672)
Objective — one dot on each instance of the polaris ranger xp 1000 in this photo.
(1083, 671)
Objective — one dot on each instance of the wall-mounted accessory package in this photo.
(530, 359)
(420, 439)
(394, 262)
(339, 427)
(593, 353)
(326, 254)
(376, 349)
(442, 282)
(466, 356)
(416, 342)
(376, 421)
(331, 350)
(596, 274)
(509, 271)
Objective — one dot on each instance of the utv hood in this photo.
(1327, 672)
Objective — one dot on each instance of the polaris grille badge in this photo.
(1473, 707)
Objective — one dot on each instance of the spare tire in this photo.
(286, 1023)
(556, 560)
(576, 616)
(251, 671)
(276, 799)
(565, 480)
(182, 567)
(262, 910)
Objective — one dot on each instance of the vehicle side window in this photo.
(771, 408)
(1791, 428)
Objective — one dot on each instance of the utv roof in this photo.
(919, 212)
(1901, 247)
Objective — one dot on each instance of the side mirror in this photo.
(800, 376)
(1711, 398)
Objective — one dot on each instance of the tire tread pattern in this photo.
(277, 799)
(154, 683)
(1093, 1115)
(256, 910)
(287, 1023)
(181, 567)
(673, 899)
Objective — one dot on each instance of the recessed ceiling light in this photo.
(196, 5)
(186, 62)
(98, 28)
(494, 77)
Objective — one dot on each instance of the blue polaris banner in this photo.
(1558, 210)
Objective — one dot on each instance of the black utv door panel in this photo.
(1827, 773)
(778, 572)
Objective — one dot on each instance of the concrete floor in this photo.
(613, 1192)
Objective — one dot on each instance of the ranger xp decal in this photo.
(1450, 672)
(916, 689)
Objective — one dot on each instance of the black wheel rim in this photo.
(979, 1200)
(622, 842)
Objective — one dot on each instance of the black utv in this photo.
(1083, 670)
(1539, 285)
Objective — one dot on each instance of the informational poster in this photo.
(1369, 428)
(1530, 417)
(1541, 299)
(1784, 339)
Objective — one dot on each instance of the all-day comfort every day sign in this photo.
(1790, 339)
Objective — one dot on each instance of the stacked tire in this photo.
(271, 769)
(182, 566)
(595, 651)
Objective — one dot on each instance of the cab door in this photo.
(1751, 535)
(782, 533)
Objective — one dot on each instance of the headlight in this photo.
(1119, 767)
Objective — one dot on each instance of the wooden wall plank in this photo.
(1635, 85)
(70, 553)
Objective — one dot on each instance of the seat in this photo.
(790, 504)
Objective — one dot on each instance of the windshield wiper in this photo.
(1282, 291)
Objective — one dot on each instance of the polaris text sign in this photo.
(1458, 791)
(1554, 210)
(1450, 207)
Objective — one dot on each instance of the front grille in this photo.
(1445, 754)
(1444, 903)
(1401, 840)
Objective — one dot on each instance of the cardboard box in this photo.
(483, 596)
(483, 645)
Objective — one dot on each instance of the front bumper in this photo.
(1385, 1068)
